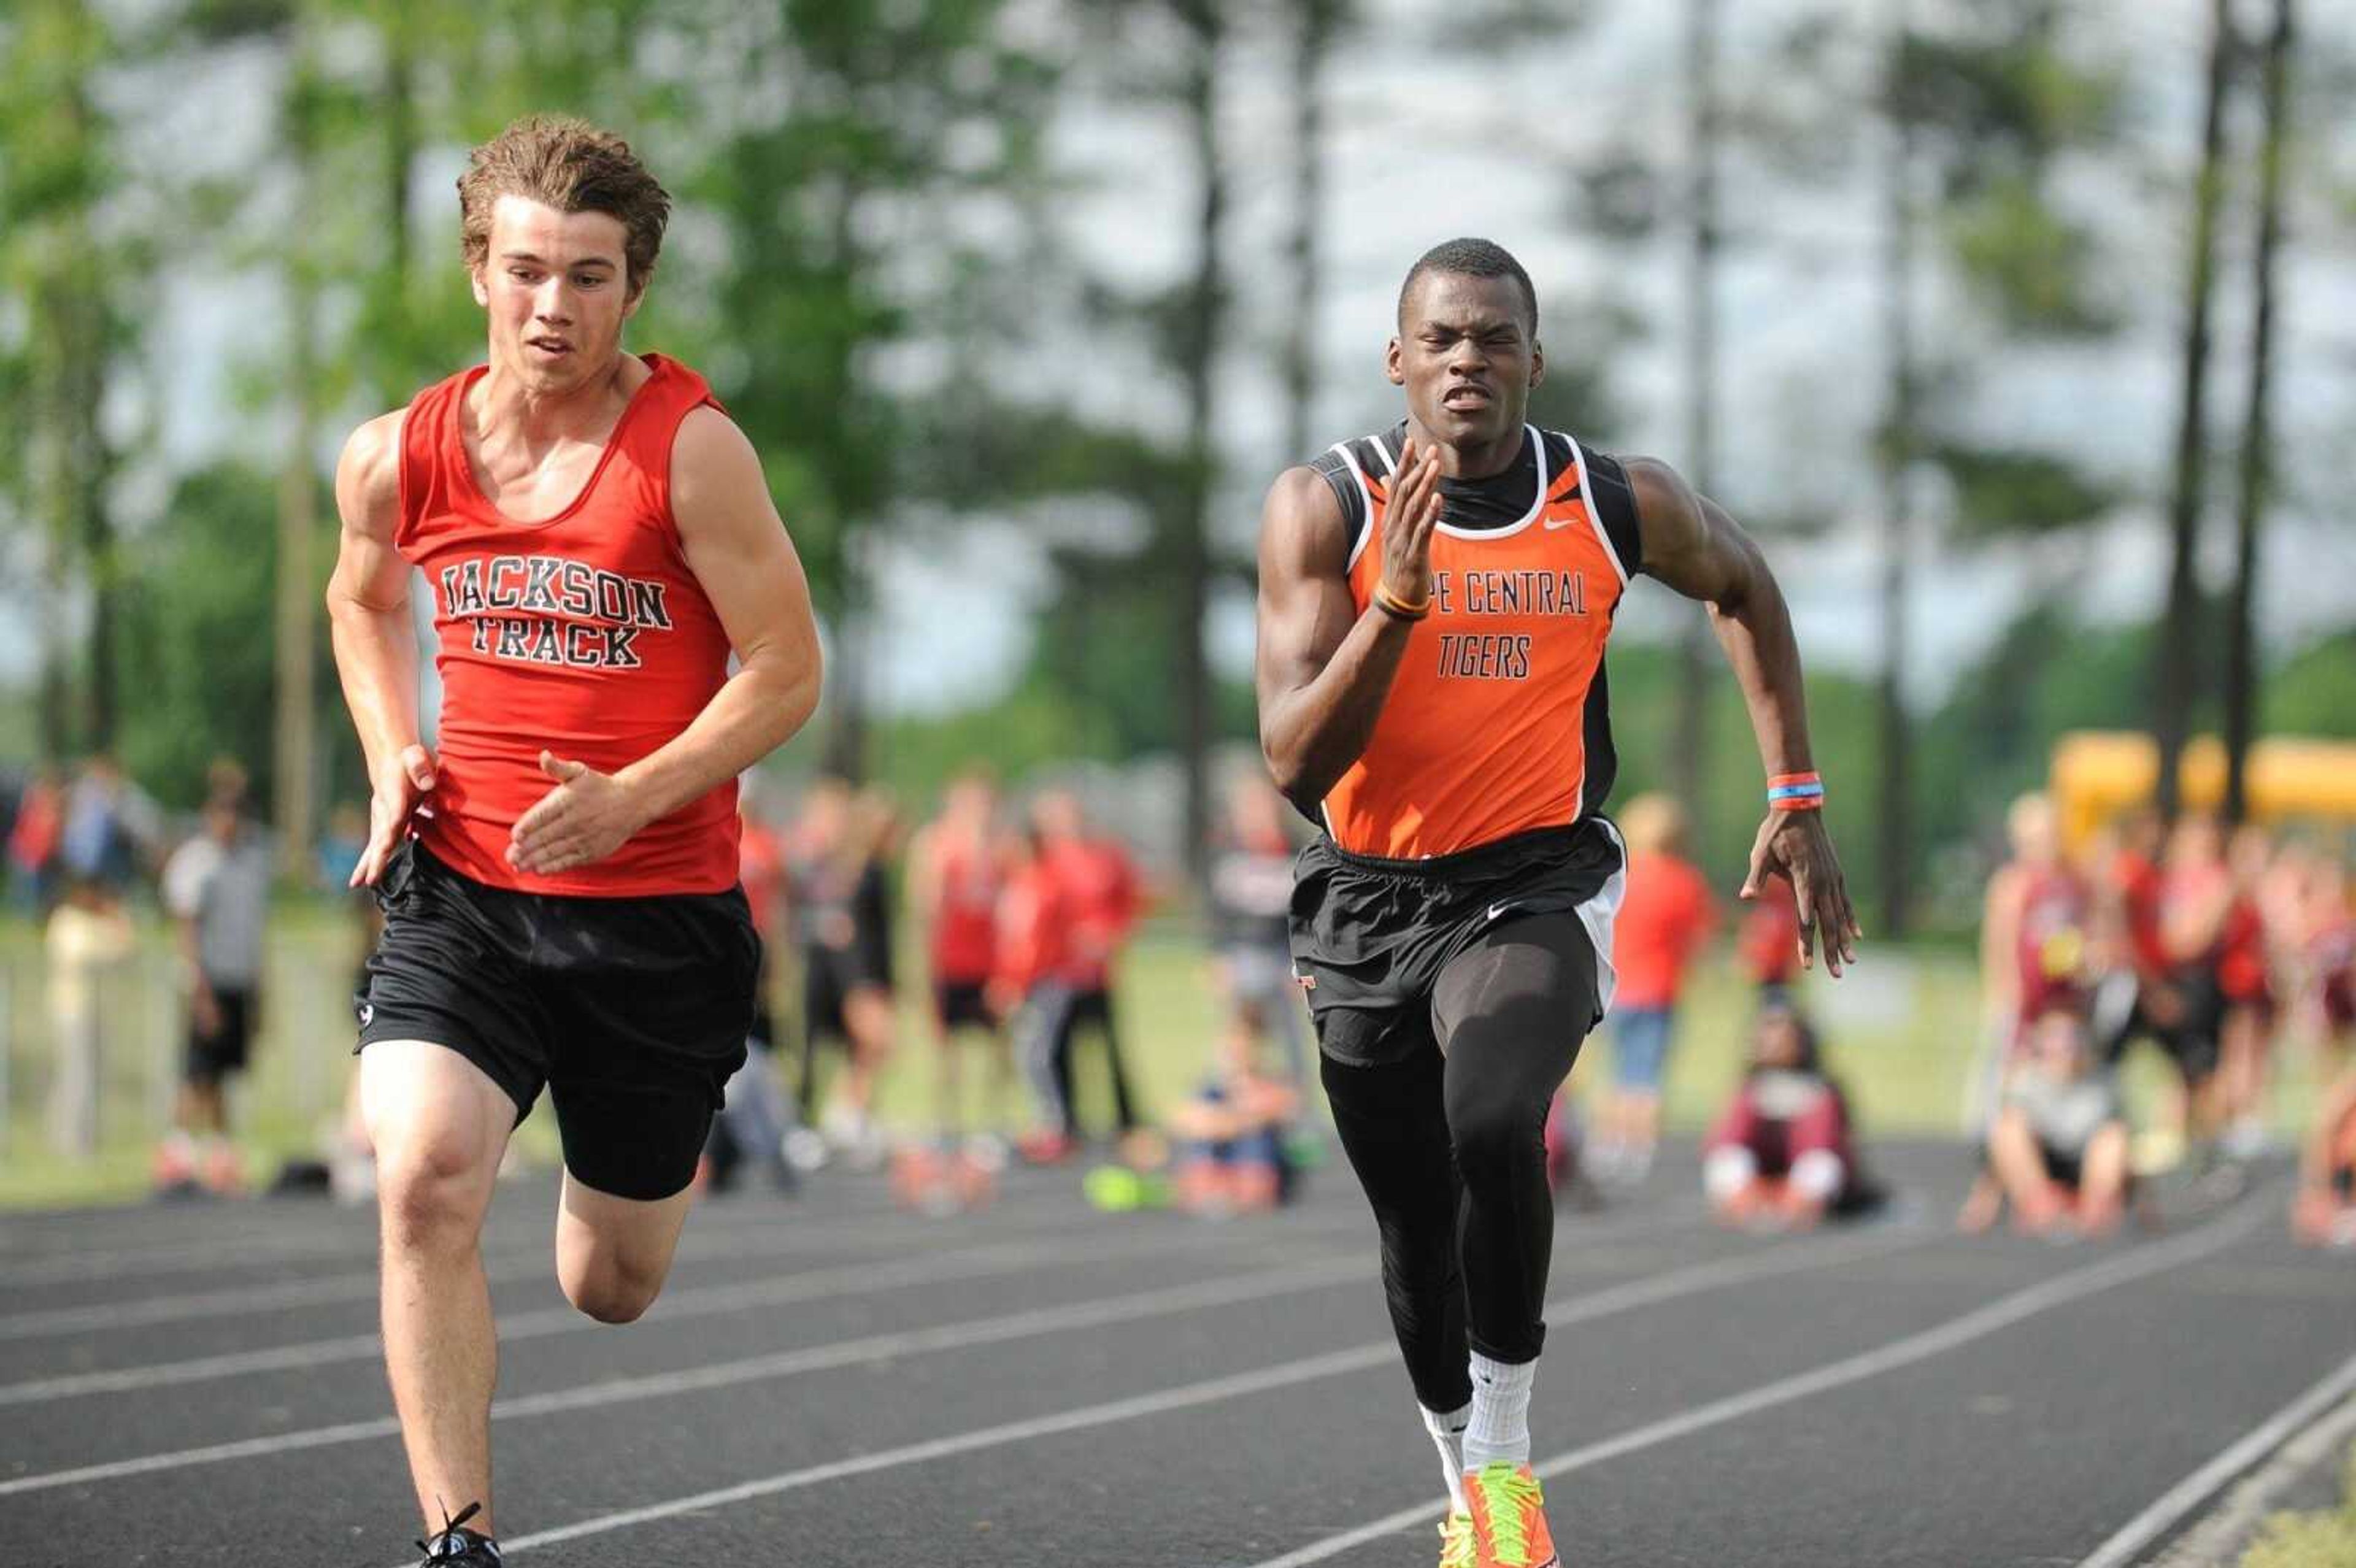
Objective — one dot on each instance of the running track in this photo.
(830, 1381)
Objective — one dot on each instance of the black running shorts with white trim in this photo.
(633, 1011)
(1370, 936)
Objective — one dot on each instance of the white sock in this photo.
(1501, 1413)
(1448, 1436)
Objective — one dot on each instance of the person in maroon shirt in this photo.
(1783, 1153)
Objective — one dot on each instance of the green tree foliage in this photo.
(195, 654)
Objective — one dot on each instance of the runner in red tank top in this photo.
(1454, 925)
(559, 882)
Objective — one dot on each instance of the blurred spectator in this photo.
(955, 881)
(1767, 942)
(89, 937)
(1663, 922)
(836, 888)
(110, 826)
(1251, 889)
(1028, 989)
(1100, 900)
(2057, 1151)
(1783, 1153)
(2035, 944)
(217, 891)
(2246, 979)
(758, 1114)
(2205, 930)
(33, 841)
(1232, 1133)
(2324, 1212)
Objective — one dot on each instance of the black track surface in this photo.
(829, 1380)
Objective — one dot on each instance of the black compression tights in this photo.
(1450, 1144)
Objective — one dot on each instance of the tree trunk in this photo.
(1316, 20)
(1895, 815)
(2176, 662)
(2257, 455)
(1205, 23)
(294, 722)
(1689, 735)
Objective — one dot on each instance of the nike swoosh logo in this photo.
(1554, 523)
(1496, 909)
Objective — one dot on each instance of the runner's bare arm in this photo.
(1691, 545)
(1324, 668)
(737, 547)
(376, 646)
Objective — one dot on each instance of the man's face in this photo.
(556, 289)
(1467, 357)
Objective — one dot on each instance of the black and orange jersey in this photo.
(1498, 721)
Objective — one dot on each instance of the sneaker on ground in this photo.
(458, 1547)
(1509, 1527)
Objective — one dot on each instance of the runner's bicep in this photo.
(1305, 607)
(736, 544)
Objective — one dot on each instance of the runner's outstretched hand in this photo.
(1408, 517)
(585, 817)
(1794, 845)
(402, 784)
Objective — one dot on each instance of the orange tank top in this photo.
(585, 633)
(1498, 721)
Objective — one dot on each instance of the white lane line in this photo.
(504, 1265)
(1788, 1258)
(695, 1301)
(1293, 1279)
(1951, 1334)
(187, 1257)
(2172, 1506)
(230, 1247)
(1316, 1274)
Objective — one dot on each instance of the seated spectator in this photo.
(1782, 1155)
(2324, 1212)
(2057, 1152)
(1231, 1134)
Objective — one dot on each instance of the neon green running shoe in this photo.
(1456, 1546)
(1509, 1527)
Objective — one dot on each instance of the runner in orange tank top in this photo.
(558, 882)
(1434, 603)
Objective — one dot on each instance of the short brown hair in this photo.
(572, 166)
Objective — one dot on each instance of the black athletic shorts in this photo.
(633, 1011)
(830, 976)
(1370, 936)
(962, 1004)
(213, 1056)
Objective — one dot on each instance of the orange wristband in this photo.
(1399, 609)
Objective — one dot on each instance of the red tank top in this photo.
(965, 924)
(585, 633)
(1488, 728)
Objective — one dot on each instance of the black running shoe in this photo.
(458, 1547)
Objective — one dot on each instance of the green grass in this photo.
(2322, 1539)
(1899, 1031)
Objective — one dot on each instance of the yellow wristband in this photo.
(1399, 609)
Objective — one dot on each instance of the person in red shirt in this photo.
(955, 880)
(1099, 885)
(1028, 992)
(1663, 922)
(1767, 942)
(559, 871)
